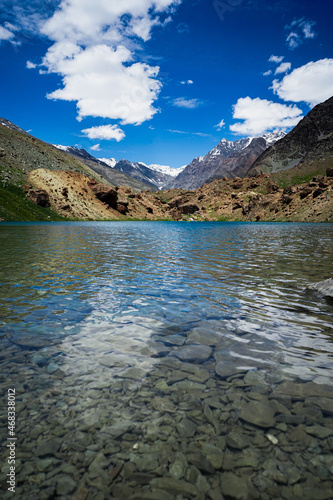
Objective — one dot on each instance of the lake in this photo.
(161, 360)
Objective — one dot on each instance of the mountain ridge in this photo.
(311, 139)
(115, 177)
(153, 176)
(227, 159)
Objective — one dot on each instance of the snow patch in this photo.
(62, 148)
(110, 162)
(164, 169)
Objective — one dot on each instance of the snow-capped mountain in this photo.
(227, 159)
(166, 170)
(273, 137)
(155, 174)
(152, 176)
(163, 169)
(117, 177)
(111, 162)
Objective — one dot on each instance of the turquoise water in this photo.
(130, 342)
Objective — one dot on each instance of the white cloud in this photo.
(103, 85)
(182, 102)
(293, 40)
(107, 132)
(311, 83)
(177, 131)
(307, 29)
(96, 147)
(187, 82)
(5, 34)
(276, 59)
(31, 65)
(200, 134)
(220, 125)
(267, 73)
(94, 52)
(301, 29)
(306, 26)
(283, 68)
(261, 115)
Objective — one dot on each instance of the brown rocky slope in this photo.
(250, 199)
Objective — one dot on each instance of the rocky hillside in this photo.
(228, 159)
(115, 176)
(310, 141)
(249, 199)
(21, 153)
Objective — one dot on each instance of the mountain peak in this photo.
(311, 139)
(227, 159)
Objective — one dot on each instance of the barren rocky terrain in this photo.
(260, 198)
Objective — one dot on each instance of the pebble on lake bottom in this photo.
(182, 427)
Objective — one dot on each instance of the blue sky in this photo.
(161, 81)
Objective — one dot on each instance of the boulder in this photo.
(324, 287)
(105, 194)
(271, 187)
(286, 199)
(305, 192)
(289, 191)
(188, 208)
(238, 184)
(122, 207)
(176, 202)
(329, 172)
(39, 197)
(317, 192)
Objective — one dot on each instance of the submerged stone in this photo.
(204, 337)
(235, 487)
(174, 486)
(186, 427)
(237, 440)
(201, 462)
(178, 466)
(213, 454)
(225, 369)
(319, 431)
(133, 373)
(258, 413)
(65, 485)
(303, 390)
(198, 353)
(145, 462)
(47, 448)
